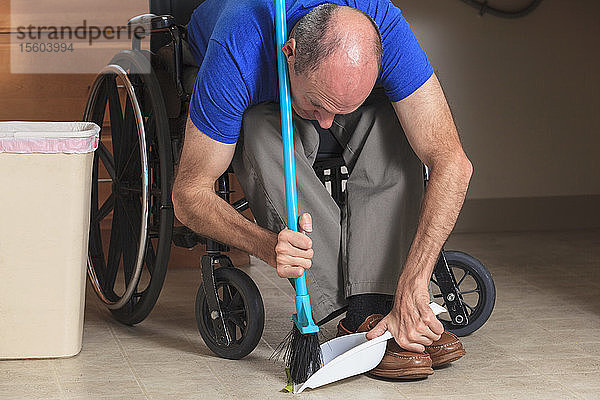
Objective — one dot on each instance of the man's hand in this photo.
(294, 249)
(411, 321)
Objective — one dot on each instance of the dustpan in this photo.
(350, 355)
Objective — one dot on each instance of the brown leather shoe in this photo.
(445, 350)
(397, 363)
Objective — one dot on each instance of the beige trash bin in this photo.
(45, 184)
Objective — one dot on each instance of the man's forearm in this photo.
(207, 214)
(441, 205)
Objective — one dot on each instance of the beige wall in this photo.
(525, 93)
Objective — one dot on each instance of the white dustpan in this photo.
(350, 355)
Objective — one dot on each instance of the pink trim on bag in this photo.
(76, 145)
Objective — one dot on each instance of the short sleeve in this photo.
(220, 95)
(405, 66)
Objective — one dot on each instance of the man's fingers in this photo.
(423, 334)
(437, 327)
(379, 330)
(289, 271)
(414, 347)
(430, 335)
(286, 260)
(433, 324)
(296, 239)
(305, 223)
(286, 249)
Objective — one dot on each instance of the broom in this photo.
(301, 350)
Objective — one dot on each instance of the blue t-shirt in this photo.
(233, 41)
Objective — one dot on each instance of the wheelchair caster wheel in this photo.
(476, 288)
(243, 312)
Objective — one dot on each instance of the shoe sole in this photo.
(411, 373)
(448, 358)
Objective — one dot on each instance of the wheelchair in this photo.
(140, 101)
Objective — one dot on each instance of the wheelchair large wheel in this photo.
(243, 313)
(131, 212)
(476, 288)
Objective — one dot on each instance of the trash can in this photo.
(45, 190)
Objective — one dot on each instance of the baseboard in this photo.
(530, 213)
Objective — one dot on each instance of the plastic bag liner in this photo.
(48, 137)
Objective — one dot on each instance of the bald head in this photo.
(345, 35)
(334, 57)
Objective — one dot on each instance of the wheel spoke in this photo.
(133, 214)
(129, 253)
(132, 148)
(232, 330)
(99, 107)
(237, 320)
(95, 241)
(114, 253)
(437, 296)
(463, 278)
(107, 160)
(236, 301)
(434, 281)
(116, 121)
(471, 291)
(226, 296)
(106, 208)
(469, 307)
(132, 211)
(126, 167)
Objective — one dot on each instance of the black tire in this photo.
(125, 209)
(479, 298)
(243, 309)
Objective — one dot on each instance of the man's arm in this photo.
(429, 127)
(197, 206)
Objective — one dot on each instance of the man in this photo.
(377, 254)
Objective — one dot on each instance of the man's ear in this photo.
(289, 49)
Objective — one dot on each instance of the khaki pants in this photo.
(362, 247)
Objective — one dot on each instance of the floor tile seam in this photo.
(215, 375)
(397, 388)
(63, 394)
(201, 357)
(260, 271)
(555, 360)
(267, 343)
(501, 384)
(577, 317)
(554, 374)
(131, 368)
(572, 392)
(195, 347)
(280, 290)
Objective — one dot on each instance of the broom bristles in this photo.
(301, 354)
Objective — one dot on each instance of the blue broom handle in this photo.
(285, 105)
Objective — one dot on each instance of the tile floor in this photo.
(542, 342)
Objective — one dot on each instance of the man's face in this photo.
(332, 89)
